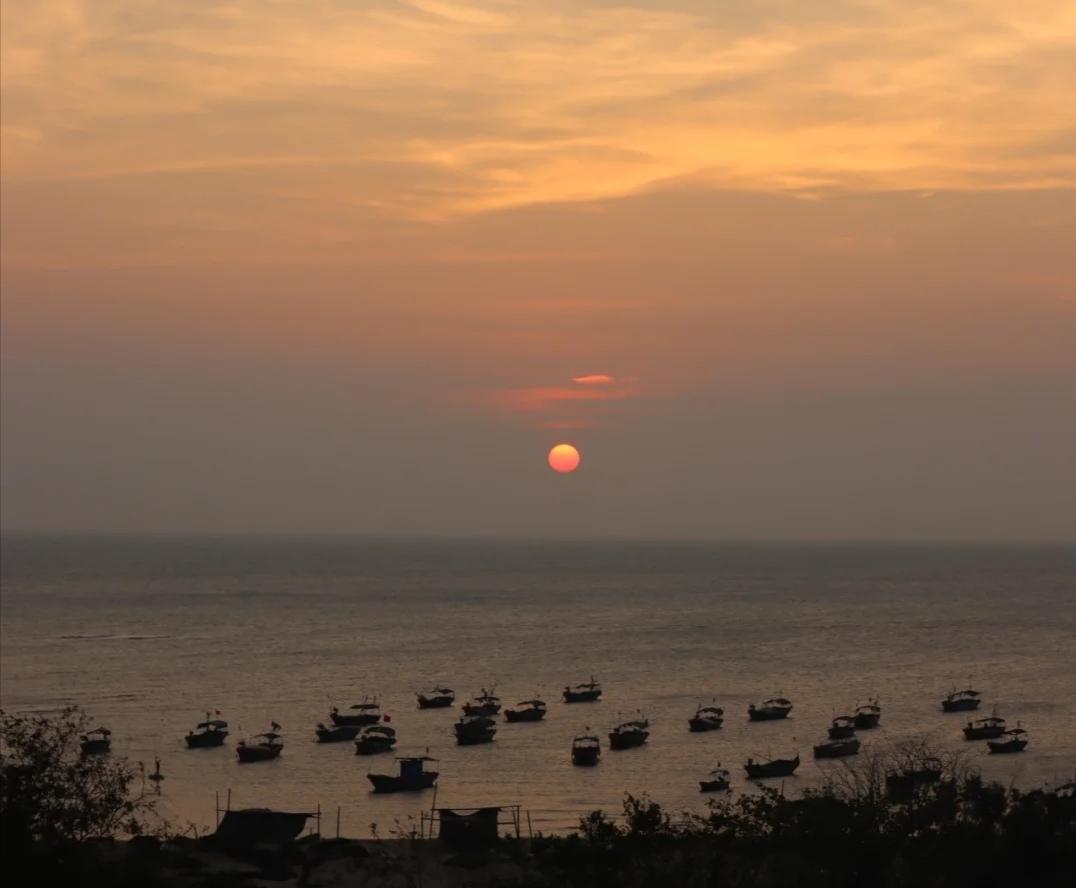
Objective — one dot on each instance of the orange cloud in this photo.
(594, 379)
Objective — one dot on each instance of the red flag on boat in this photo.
(387, 718)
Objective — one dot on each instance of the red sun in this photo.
(564, 458)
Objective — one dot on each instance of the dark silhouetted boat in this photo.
(583, 693)
(374, 739)
(961, 701)
(206, 734)
(867, 715)
(586, 750)
(474, 729)
(901, 785)
(261, 747)
(770, 710)
(412, 777)
(484, 704)
(842, 727)
(629, 734)
(96, 742)
(718, 780)
(837, 748)
(438, 698)
(988, 728)
(527, 711)
(361, 714)
(706, 718)
(1013, 740)
(773, 768)
(336, 733)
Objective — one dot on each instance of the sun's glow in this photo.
(564, 458)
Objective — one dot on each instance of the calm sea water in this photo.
(148, 633)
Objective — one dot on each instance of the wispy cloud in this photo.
(512, 103)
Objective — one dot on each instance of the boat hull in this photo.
(714, 786)
(206, 741)
(700, 725)
(475, 739)
(337, 733)
(841, 732)
(776, 768)
(385, 783)
(839, 749)
(483, 709)
(990, 733)
(95, 747)
(959, 705)
(628, 741)
(340, 719)
(524, 715)
(586, 758)
(435, 702)
(761, 715)
(365, 746)
(248, 754)
(866, 722)
(582, 696)
(1007, 746)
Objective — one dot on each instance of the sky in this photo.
(779, 269)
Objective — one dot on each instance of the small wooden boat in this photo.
(842, 727)
(374, 739)
(961, 701)
(901, 785)
(368, 712)
(528, 711)
(586, 750)
(718, 780)
(336, 733)
(412, 777)
(629, 734)
(484, 704)
(96, 742)
(587, 692)
(706, 718)
(261, 747)
(206, 734)
(438, 698)
(770, 710)
(837, 748)
(773, 768)
(989, 728)
(867, 716)
(1013, 740)
(474, 729)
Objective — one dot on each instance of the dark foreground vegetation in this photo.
(88, 821)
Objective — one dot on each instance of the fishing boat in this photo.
(842, 727)
(208, 733)
(770, 710)
(586, 750)
(374, 739)
(989, 728)
(484, 704)
(368, 712)
(474, 729)
(412, 777)
(336, 733)
(773, 768)
(901, 785)
(96, 742)
(718, 780)
(867, 715)
(961, 701)
(261, 747)
(438, 698)
(527, 711)
(629, 734)
(587, 692)
(837, 748)
(1013, 740)
(706, 718)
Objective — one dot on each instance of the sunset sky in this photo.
(777, 268)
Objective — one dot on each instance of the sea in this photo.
(148, 633)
